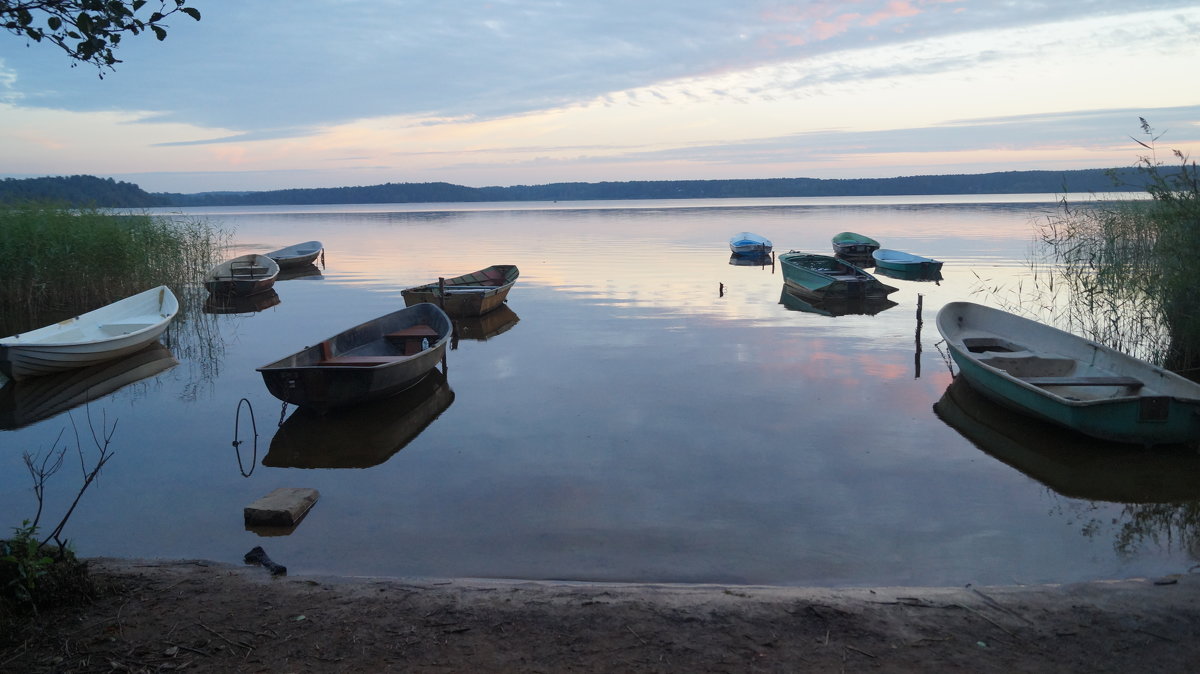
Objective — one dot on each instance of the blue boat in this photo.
(750, 244)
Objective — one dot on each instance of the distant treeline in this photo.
(77, 191)
(92, 191)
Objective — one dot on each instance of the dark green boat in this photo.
(849, 244)
(824, 276)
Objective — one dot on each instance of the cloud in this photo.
(272, 64)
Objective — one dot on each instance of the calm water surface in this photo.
(642, 411)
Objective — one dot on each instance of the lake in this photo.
(642, 410)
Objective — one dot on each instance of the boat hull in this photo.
(825, 277)
(110, 332)
(322, 377)
(1014, 362)
(473, 294)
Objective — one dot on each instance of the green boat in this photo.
(827, 277)
(1074, 382)
(849, 244)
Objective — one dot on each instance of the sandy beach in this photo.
(193, 615)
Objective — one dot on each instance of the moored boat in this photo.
(1075, 382)
(850, 244)
(242, 276)
(109, 332)
(829, 277)
(471, 294)
(296, 255)
(750, 244)
(375, 359)
(895, 260)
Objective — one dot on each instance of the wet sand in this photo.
(190, 615)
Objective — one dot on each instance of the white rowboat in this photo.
(296, 255)
(1069, 380)
(242, 276)
(109, 332)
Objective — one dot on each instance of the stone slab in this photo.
(284, 507)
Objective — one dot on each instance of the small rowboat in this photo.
(849, 244)
(1050, 374)
(242, 276)
(750, 244)
(296, 255)
(373, 360)
(828, 277)
(895, 260)
(112, 331)
(471, 294)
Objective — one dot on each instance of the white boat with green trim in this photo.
(1075, 382)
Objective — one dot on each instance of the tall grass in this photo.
(60, 262)
(1124, 272)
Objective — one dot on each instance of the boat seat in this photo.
(248, 271)
(1131, 382)
(116, 329)
(410, 339)
(327, 358)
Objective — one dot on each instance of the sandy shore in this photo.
(210, 617)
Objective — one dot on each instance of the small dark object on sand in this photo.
(259, 556)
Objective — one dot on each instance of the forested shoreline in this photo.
(85, 190)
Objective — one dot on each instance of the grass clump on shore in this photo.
(61, 261)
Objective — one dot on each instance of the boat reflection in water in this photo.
(361, 436)
(482, 328)
(764, 260)
(834, 306)
(1072, 464)
(308, 271)
(915, 274)
(237, 304)
(31, 400)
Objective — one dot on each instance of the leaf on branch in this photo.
(191, 11)
(159, 32)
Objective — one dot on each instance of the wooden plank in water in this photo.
(284, 507)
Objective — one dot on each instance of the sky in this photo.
(276, 94)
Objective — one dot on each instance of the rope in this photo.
(237, 444)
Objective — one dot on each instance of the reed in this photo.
(1122, 272)
(60, 262)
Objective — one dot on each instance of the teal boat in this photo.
(849, 244)
(895, 260)
(828, 277)
(1074, 382)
